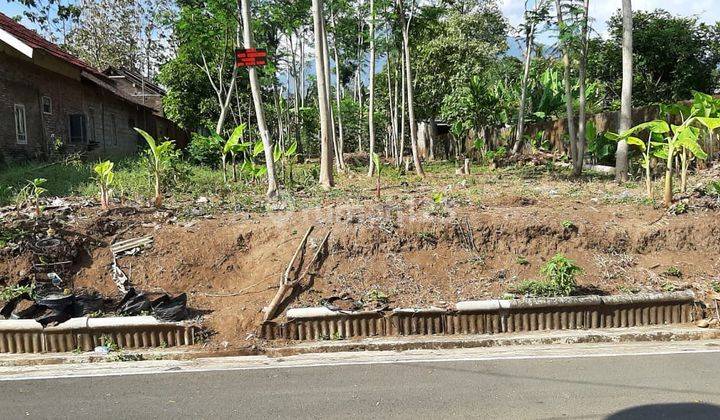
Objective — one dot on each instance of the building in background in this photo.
(52, 102)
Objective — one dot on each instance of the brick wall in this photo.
(109, 119)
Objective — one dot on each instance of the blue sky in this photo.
(600, 11)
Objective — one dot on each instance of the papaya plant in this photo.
(35, 191)
(159, 158)
(104, 176)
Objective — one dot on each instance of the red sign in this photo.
(250, 57)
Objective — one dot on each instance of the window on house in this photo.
(46, 105)
(78, 132)
(20, 125)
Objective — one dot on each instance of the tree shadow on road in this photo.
(668, 411)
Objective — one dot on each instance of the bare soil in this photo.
(408, 247)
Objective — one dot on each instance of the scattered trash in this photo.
(342, 303)
(129, 245)
(134, 304)
(88, 304)
(55, 279)
(166, 308)
(126, 247)
(103, 350)
(119, 277)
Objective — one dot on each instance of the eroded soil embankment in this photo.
(230, 266)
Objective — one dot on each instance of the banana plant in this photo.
(159, 158)
(105, 176)
(378, 166)
(232, 147)
(656, 128)
(286, 158)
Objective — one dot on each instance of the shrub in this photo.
(204, 150)
(559, 279)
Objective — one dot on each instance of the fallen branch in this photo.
(285, 282)
(238, 293)
(312, 262)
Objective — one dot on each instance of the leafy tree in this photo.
(673, 56)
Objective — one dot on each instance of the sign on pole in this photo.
(250, 57)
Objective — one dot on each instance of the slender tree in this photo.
(582, 76)
(371, 87)
(244, 5)
(405, 29)
(326, 149)
(621, 156)
(565, 46)
(533, 17)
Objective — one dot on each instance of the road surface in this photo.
(674, 380)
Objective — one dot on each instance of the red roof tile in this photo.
(34, 40)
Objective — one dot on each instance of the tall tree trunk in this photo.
(520, 132)
(403, 111)
(392, 104)
(331, 112)
(340, 143)
(296, 100)
(257, 100)
(302, 71)
(568, 85)
(621, 156)
(580, 159)
(409, 82)
(371, 101)
(326, 151)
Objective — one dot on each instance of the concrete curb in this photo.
(489, 317)
(28, 336)
(623, 335)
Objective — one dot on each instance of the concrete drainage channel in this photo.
(28, 336)
(490, 317)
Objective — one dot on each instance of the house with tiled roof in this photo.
(51, 100)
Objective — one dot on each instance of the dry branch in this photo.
(285, 282)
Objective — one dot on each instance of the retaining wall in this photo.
(28, 336)
(489, 317)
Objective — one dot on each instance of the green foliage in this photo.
(104, 176)
(496, 155)
(714, 188)
(159, 158)
(204, 150)
(376, 295)
(568, 225)
(673, 56)
(8, 235)
(521, 260)
(32, 192)
(9, 293)
(452, 50)
(559, 280)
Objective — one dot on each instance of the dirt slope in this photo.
(416, 252)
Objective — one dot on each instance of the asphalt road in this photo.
(678, 385)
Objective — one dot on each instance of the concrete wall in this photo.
(109, 119)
